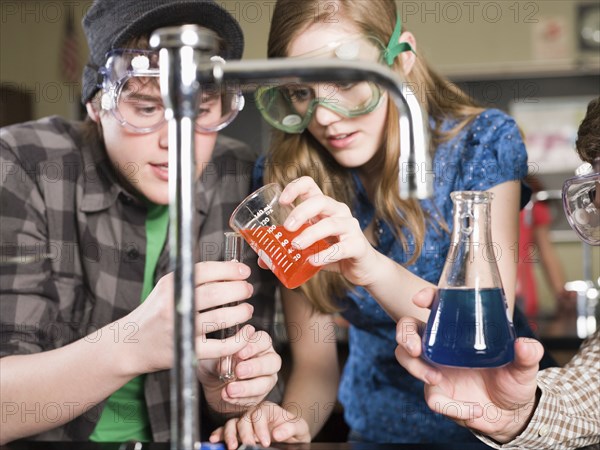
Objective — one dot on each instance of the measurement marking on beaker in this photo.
(286, 269)
(270, 246)
(277, 253)
(263, 238)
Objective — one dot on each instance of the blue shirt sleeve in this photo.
(494, 152)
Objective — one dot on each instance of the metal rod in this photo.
(181, 48)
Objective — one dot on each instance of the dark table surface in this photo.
(313, 446)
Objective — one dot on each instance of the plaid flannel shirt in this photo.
(568, 413)
(80, 240)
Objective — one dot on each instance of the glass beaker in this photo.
(259, 219)
(469, 325)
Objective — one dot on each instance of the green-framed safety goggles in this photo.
(290, 107)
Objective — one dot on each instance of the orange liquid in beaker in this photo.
(287, 263)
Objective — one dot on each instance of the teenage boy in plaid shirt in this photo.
(86, 316)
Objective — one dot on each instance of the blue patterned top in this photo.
(382, 402)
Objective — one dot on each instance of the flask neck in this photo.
(471, 222)
(471, 260)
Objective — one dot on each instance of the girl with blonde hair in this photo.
(336, 147)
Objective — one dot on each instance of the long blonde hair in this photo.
(294, 155)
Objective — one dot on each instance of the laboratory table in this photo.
(313, 446)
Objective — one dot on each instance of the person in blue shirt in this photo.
(335, 148)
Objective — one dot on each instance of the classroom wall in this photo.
(461, 37)
(30, 38)
(458, 38)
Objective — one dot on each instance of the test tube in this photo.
(233, 252)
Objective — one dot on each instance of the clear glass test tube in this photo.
(233, 252)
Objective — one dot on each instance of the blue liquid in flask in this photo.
(469, 328)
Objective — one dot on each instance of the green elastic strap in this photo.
(394, 48)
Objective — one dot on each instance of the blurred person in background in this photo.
(536, 246)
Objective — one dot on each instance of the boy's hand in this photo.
(256, 374)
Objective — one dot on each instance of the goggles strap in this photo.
(394, 48)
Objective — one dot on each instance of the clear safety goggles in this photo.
(581, 201)
(290, 107)
(131, 92)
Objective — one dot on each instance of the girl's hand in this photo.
(266, 423)
(351, 255)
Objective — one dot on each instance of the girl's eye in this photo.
(299, 94)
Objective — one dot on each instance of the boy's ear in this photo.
(408, 58)
(92, 112)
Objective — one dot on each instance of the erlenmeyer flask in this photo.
(469, 324)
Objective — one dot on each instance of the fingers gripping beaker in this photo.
(259, 219)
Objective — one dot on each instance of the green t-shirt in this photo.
(125, 415)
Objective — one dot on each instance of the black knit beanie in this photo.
(109, 24)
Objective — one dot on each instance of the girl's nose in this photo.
(325, 116)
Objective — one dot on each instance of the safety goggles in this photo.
(290, 107)
(581, 201)
(131, 92)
